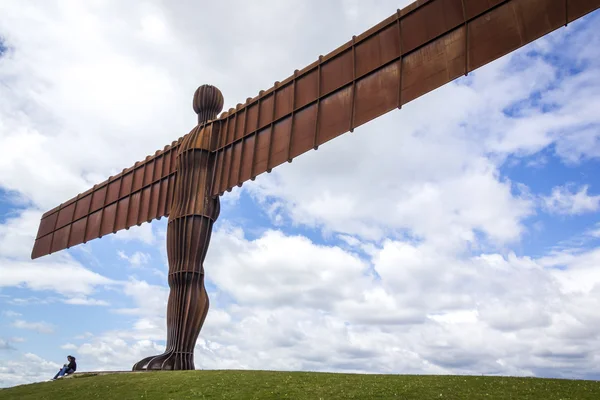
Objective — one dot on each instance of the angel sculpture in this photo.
(418, 49)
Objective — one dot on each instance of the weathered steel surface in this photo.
(191, 219)
(138, 194)
(420, 48)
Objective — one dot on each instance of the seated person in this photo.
(67, 368)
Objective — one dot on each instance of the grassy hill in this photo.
(299, 385)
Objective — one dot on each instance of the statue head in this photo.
(208, 103)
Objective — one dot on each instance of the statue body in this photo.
(191, 219)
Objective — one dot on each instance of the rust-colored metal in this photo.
(418, 49)
(143, 190)
(193, 213)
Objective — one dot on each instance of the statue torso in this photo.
(195, 174)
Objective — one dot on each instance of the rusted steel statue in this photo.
(193, 213)
(416, 50)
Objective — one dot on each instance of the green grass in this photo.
(299, 385)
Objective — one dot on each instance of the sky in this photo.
(459, 235)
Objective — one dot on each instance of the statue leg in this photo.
(188, 238)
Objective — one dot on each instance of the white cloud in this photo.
(349, 240)
(40, 327)
(576, 272)
(59, 274)
(596, 231)
(6, 345)
(27, 368)
(21, 301)
(569, 200)
(85, 301)
(442, 310)
(274, 264)
(85, 335)
(143, 233)
(136, 259)
(17, 234)
(150, 309)
(11, 314)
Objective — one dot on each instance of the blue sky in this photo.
(480, 234)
